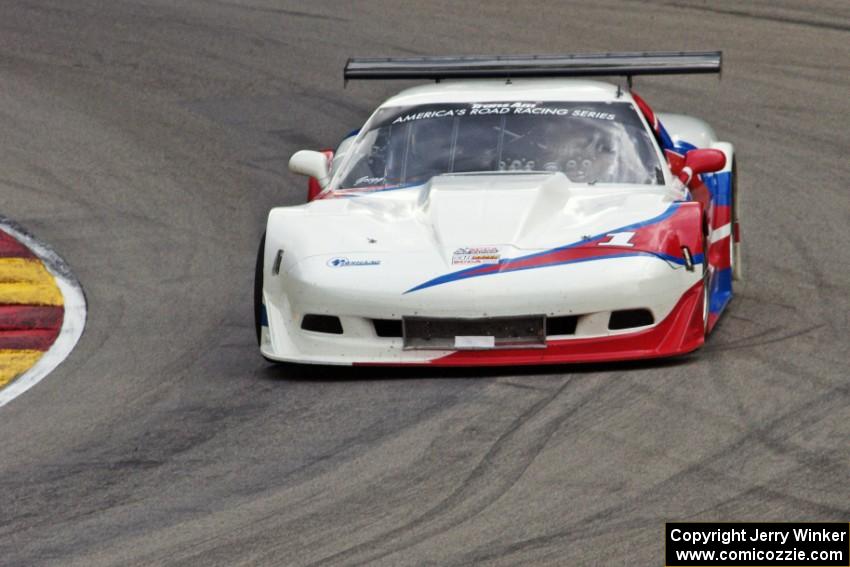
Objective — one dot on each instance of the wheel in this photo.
(706, 286)
(735, 259)
(258, 287)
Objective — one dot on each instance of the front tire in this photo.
(258, 288)
(735, 259)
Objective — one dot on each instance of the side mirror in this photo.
(311, 164)
(701, 161)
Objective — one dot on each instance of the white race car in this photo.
(509, 213)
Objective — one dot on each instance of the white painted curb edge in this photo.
(73, 323)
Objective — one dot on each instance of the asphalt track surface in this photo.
(146, 141)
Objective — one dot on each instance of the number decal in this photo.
(618, 239)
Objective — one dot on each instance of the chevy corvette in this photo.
(513, 211)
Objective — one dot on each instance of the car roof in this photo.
(484, 90)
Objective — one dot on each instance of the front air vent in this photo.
(329, 324)
(388, 328)
(563, 325)
(630, 318)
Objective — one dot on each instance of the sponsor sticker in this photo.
(343, 262)
(366, 180)
(476, 255)
(519, 107)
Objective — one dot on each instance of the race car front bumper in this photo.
(675, 297)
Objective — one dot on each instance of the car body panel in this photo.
(507, 244)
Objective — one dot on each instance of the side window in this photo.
(364, 166)
(342, 149)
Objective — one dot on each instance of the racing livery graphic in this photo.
(513, 212)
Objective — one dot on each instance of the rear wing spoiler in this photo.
(626, 64)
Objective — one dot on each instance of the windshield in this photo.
(590, 142)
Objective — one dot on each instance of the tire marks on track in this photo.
(496, 473)
(709, 469)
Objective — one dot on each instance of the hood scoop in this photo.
(491, 209)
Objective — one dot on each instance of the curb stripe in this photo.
(28, 339)
(16, 362)
(30, 293)
(30, 317)
(27, 281)
(11, 248)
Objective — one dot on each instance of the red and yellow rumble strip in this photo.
(31, 309)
